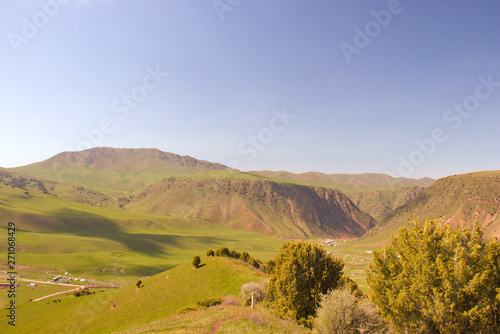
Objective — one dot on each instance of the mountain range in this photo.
(280, 204)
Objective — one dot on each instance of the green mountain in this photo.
(110, 177)
(249, 202)
(455, 199)
(114, 171)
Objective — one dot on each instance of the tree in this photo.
(253, 262)
(349, 284)
(303, 272)
(234, 254)
(244, 256)
(340, 312)
(210, 252)
(269, 267)
(432, 279)
(223, 251)
(196, 261)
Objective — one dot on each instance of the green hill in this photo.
(112, 177)
(117, 172)
(67, 190)
(163, 295)
(253, 203)
(111, 244)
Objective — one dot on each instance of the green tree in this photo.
(210, 252)
(349, 284)
(196, 261)
(432, 279)
(223, 251)
(269, 267)
(234, 254)
(303, 272)
(253, 262)
(244, 256)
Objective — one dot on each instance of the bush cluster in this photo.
(244, 256)
(81, 293)
(201, 304)
(207, 302)
(340, 311)
(258, 289)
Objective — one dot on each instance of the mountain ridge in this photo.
(281, 209)
(348, 182)
(455, 199)
(122, 170)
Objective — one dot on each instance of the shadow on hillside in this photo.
(89, 225)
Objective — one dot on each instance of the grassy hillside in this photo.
(63, 189)
(162, 296)
(250, 203)
(112, 244)
(117, 172)
(453, 198)
(347, 182)
(112, 177)
(222, 319)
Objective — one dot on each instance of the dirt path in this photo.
(54, 294)
(78, 287)
(218, 324)
(42, 282)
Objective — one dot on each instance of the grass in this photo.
(222, 319)
(55, 235)
(106, 243)
(162, 296)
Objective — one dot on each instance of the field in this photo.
(161, 296)
(108, 246)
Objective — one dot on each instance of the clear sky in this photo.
(408, 88)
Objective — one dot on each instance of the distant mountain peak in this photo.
(123, 169)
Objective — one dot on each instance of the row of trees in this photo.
(244, 256)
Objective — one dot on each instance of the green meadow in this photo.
(161, 296)
(112, 244)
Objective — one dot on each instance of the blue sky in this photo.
(408, 88)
